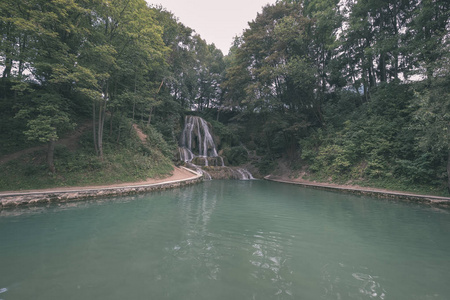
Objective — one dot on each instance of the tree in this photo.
(47, 117)
(41, 39)
(426, 36)
(124, 45)
(433, 113)
(281, 67)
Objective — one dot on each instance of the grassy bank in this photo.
(127, 160)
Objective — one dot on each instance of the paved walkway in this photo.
(381, 193)
(181, 176)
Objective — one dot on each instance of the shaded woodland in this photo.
(349, 91)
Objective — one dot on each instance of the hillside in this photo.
(342, 91)
(133, 159)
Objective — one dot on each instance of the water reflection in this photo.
(195, 214)
(3, 290)
(225, 240)
(341, 281)
(369, 286)
(271, 262)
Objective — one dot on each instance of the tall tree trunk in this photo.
(382, 67)
(111, 123)
(150, 116)
(8, 68)
(395, 53)
(94, 128)
(151, 106)
(101, 123)
(50, 155)
(448, 170)
(118, 133)
(132, 117)
(134, 100)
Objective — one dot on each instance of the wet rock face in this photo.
(228, 173)
(208, 161)
(220, 172)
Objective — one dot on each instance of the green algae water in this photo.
(227, 240)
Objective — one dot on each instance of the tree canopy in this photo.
(356, 89)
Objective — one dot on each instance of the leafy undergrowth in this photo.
(126, 161)
(298, 168)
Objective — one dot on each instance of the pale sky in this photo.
(217, 21)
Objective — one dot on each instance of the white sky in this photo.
(217, 21)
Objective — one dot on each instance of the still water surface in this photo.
(227, 240)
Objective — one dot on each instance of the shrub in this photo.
(236, 155)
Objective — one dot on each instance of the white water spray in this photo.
(197, 143)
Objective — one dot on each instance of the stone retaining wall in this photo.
(18, 199)
(427, 199)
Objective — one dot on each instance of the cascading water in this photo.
(197, 147)
(244, 174)
(196, 137)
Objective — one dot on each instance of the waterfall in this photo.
(196, 138)
(199, 170)
(197, 148)
(244, 174)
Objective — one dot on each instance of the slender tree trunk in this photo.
(134, 100)
(101, 122)
(448, 170)
(118, 134)
(103, 125)
(8, 61)
(132, 117)
(382, 67)
(94, 128)
(151, 107)
(150, 116)
(23, 45)
(111, 123)
(50, 155)
(8, 67)
(371, 73)
(99, 133)
(397, 40)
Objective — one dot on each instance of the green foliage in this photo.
(228, 138)
(46, 116)
(128, 161)
(333, 159)
(376, 141)
(114, 61)
(433, 115)
(266, 165)
(236, 156)
(156, 141)
(325, 80)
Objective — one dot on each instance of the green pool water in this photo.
(227, 240)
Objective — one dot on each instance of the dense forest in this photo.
(349, 91)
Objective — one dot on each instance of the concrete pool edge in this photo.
(15, 199)
(372, 192)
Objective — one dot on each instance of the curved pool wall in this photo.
(8, 200)
(226, 240)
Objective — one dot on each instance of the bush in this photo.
(236, 155)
